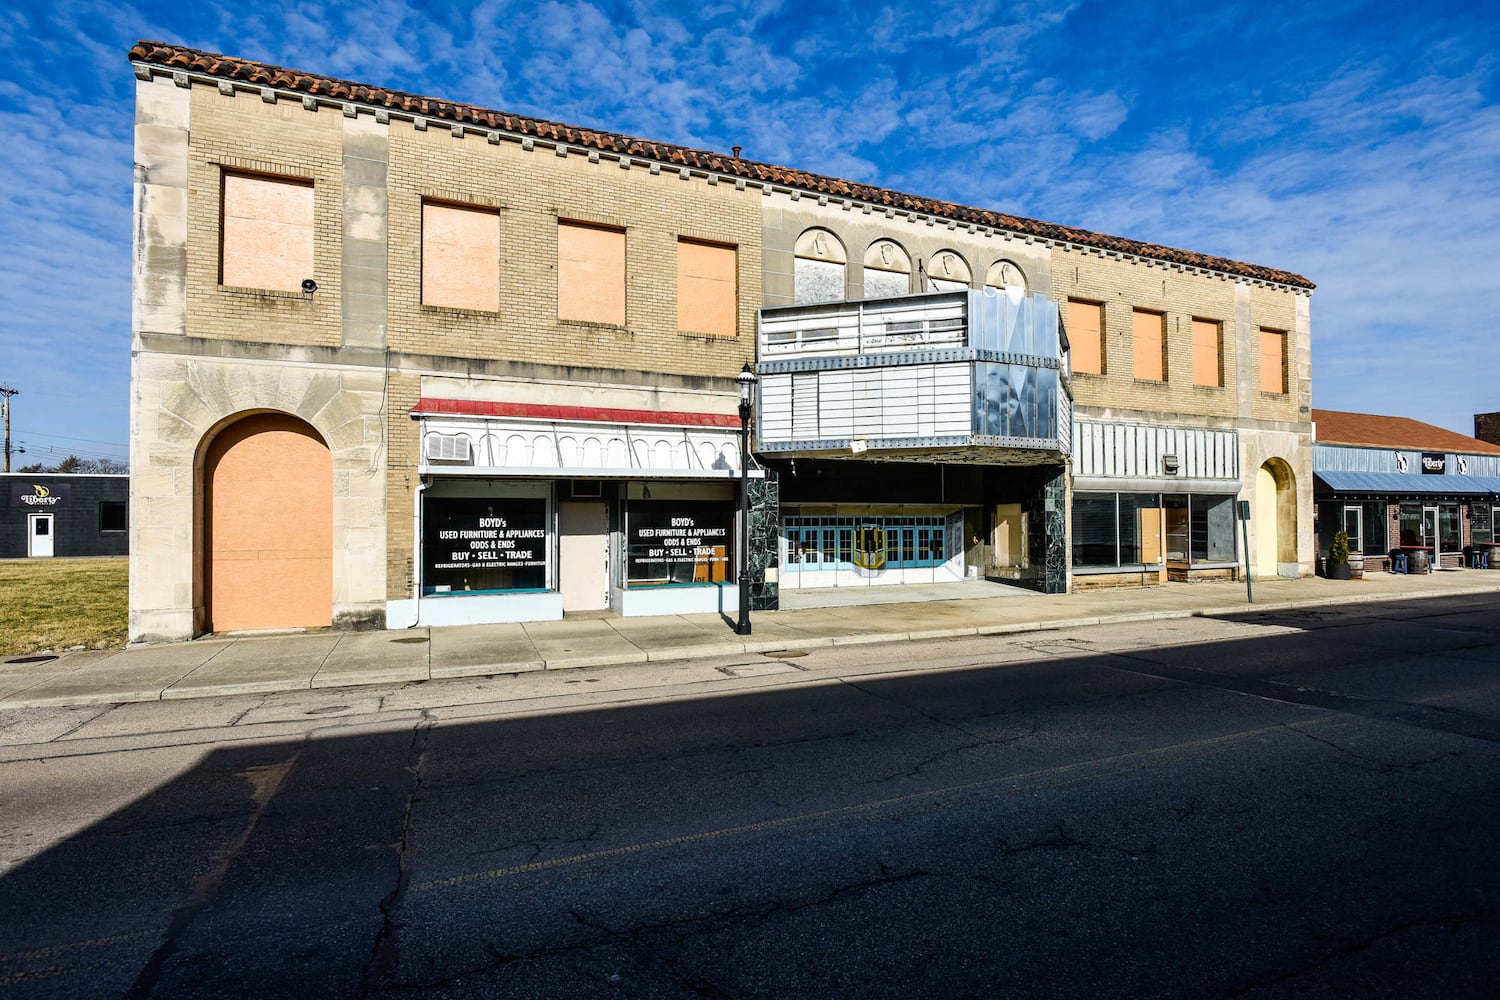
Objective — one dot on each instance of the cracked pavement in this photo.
(1260, 805)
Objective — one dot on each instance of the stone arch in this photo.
(1005, 274)
(948, 271)
(1274, 519)
(266, 558)
(819, 264)
(887, 269)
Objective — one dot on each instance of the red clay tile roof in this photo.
(1371, 430)
(176, 57)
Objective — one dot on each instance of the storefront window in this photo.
(1482, 517)
(1095, 534)
(1212, 528)
(1140, 528)
(1373, 517)
(1136, 529)
(484, 544)
(680, 542)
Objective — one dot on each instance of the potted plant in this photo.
(1338, 556)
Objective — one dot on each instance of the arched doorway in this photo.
(268, 526)
(1275, 520)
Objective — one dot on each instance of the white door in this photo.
(583, 556)
(40, 545)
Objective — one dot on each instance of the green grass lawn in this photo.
(57, 603)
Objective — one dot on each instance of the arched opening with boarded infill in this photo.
(267, 505)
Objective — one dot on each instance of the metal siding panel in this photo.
(926, 382)
(836, 402)
(899, 406)
(774, 422)
(805, 407)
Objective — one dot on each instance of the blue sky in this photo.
(1355, 143)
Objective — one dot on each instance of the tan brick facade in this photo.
(350, 357)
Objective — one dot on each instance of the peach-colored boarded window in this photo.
(1208, 353)
(1085, 337)
(1272, 361)
(1150, 362)
(460, 257)
(267, 236)
(706, 288)
(590, 273)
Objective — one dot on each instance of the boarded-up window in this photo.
(1272, 361)
(706, 301)
(460, 257)
(948, 272)
(590, 273)
(267, 232)
(818, 268)
(1086, 336)
(1208, 353)
(887, 270)
(1150, 360)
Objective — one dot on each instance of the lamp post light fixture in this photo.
(746, 380)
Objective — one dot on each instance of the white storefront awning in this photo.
(476, 438)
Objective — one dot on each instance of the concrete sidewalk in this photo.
(215, 667)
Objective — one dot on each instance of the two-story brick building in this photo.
(398, 360)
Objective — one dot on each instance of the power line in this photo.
(60, 437)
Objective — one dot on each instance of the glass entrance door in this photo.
(1430, 533)
(1351, 528)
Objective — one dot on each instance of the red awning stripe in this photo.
(589, 414)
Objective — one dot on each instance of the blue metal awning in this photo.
(1393, 484)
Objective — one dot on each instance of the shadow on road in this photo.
(1187, 820)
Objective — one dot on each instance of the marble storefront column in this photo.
(765, 525)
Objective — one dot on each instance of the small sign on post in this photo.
(1243, 509)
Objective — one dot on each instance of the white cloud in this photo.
(1371, 165)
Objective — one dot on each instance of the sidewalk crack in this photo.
(324, 661)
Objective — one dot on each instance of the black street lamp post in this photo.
(746, 380)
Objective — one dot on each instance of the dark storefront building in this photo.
(54, 514)
(1400, 487)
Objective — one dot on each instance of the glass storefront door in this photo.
(843, 550)
(1352, 529)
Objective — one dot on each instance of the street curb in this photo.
(487, 669)
(354, 679)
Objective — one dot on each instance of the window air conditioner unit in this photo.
(447, 448)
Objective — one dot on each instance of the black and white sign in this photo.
(484, 544)
(39, 496)
(678, 541)
(1434, 463)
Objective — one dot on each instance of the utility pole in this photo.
(5, 393)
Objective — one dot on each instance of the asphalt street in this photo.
(1285, 804)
